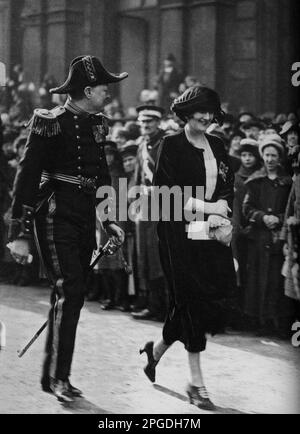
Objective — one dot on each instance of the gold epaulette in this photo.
(45, 122)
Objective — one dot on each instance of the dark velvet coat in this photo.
(200, 274)
(264, 296)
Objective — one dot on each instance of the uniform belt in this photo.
(86, 183)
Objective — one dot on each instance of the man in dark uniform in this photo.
(55, 199)
(151, 279)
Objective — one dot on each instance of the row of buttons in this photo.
(79, 158)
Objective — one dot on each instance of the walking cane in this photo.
(108, 249)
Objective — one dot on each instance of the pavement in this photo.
(243, 374)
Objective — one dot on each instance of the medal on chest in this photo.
(100, 129)
(99, 133)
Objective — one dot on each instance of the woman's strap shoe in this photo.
(199, 396)
(149, 369)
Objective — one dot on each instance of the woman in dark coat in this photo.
(250, 163)
(264, 208)
(200, 273)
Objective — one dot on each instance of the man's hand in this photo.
(117, 234)
(20, 251)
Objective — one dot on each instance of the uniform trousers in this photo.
(66, 233)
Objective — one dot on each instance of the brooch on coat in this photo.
(223, 169)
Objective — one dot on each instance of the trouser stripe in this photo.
(58, 307)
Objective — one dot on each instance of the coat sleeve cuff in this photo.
(22, 228)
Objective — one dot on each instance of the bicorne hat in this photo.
(87, 71)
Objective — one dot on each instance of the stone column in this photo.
(173, 30)
(5, 29)
(33, 18)
(65, 35)
(207, 38)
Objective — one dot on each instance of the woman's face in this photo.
(235, 143)
(110, 158)
(200, 121)
(271, 158)
(292, 139)
(247, 159)
(129, 162)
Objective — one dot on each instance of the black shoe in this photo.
(198, 396)
(149, 369)
(92, 296)
(74, 390)
(108, 305)
(46, 385)
(143, 314)
(62, 391)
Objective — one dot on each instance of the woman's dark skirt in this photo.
(201, 279)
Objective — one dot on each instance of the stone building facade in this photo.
(243, 48)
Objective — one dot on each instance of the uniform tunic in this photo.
(70, 144)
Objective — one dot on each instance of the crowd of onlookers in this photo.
(264, 154)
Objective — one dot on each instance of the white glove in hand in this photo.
(20, 251)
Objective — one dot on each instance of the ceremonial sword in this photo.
(109, 248)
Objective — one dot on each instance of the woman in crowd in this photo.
(200, 273)
(112, 277)
(263, 208)
(250, 162)
(291, 228)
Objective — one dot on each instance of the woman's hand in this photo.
(219, 207)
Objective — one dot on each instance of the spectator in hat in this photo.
(111, 268)
(133, 129)
(168, 81)
(290, 134)
(263, 208)
(291, 227)
(245, 117)
(235, 143)
(128, 297)
(252, 128)
(250, 162)
(152, 291)
(121, 135)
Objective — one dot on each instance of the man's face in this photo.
(99, 96)
(129, 162)
(149, 126)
